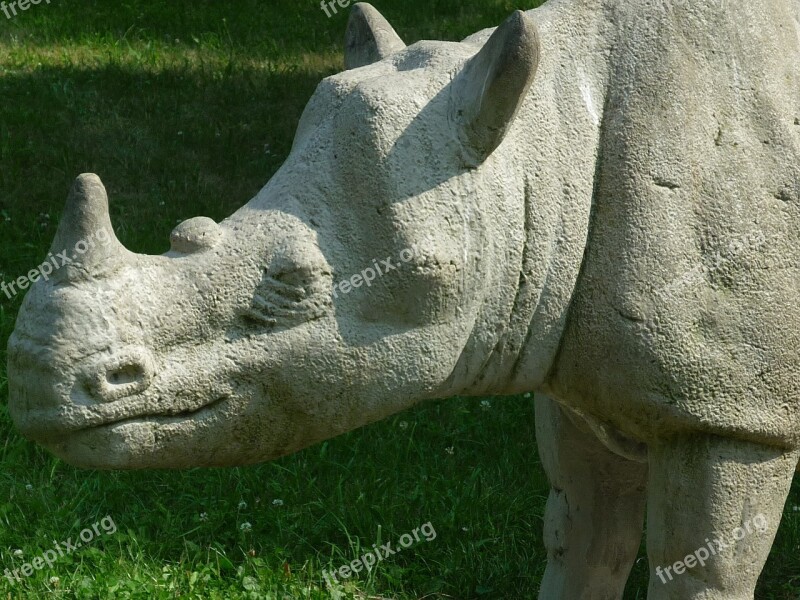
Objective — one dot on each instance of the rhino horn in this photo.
(490, 89)
(85, 238)
(369, 37)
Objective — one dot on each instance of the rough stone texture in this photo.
(602, 201)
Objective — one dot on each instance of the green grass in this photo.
(186, 108)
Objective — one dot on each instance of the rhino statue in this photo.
(598, 201)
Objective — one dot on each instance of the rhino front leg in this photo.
(595, 513)
(714, 505)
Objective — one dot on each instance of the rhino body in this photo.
(597, 201)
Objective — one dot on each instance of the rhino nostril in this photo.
(125, 374)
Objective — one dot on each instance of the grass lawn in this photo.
(186, 108)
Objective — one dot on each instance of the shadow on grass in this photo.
(264, 29)
(194, 140)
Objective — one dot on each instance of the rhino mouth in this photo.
(52, 424)
(45, 410)
(174, 413)
(168, 417)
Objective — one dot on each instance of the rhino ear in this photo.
(490, 89)
(369, 37)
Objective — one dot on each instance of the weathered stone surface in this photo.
(597, 201)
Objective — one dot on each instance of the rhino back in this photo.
(686, 314)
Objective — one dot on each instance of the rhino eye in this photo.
(290, 297)
(298, 279)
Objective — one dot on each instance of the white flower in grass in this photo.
(526, 395)
(403, 424)
(486, 405)
(204, 516)
(245, 527)
(54, 581)
(450, 450)
(17, 553)
(242, 505)
(29, 487)
(277, 502)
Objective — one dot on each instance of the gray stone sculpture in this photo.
(597, 201)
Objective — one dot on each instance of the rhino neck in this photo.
(552, 152)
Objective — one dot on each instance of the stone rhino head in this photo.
(379, 267)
